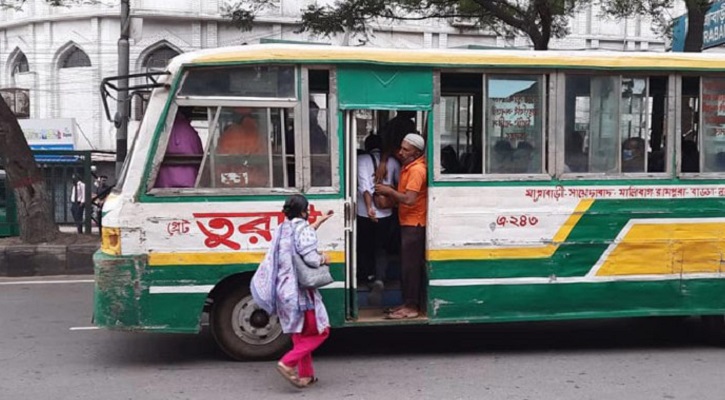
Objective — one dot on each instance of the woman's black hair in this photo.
(294, 206)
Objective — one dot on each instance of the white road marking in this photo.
(84, 328)
(10, 283)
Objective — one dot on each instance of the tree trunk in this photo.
(35, 219)
(695, 25)
(541, 44)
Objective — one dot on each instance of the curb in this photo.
(47, 259)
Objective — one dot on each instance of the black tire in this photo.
(243, 330)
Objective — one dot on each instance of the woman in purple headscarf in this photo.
(274, 287)
(184, 140)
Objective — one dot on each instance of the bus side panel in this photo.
(603, 257)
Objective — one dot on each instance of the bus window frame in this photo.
(200, 101)
(546, 159)
(669, 133)
(300, 109)
(694, 176)
(332, 131)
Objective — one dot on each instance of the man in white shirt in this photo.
(78, 201)
(374, 224)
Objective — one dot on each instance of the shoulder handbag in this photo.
(309, 277)
(381, 201)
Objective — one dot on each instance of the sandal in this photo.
(390, 310)
(289, 374)
(403, 313)
(305, 383)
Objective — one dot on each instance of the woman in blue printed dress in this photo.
(274, 287)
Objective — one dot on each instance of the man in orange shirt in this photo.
(412, 199)
(243, 139)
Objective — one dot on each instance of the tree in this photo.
(539, 20)
(35, 218)
(659, 11)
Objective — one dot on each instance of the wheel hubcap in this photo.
(252, 324)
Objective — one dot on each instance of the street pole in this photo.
(122, 108)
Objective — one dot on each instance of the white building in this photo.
(60, 54)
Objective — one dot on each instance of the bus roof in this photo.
(462, 58)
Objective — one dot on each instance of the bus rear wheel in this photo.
(243, 330)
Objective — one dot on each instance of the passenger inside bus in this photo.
(633, 155)
(690, 156)
(242, 139)
(575, 158)
(501, 162)
(183, 141)
(375, 218)
(522, 159)
(449, 160)
(395, 130)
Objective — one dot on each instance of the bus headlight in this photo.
(111, 241)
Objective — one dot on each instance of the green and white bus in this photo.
(562, 185)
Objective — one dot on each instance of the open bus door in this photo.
(360, 306)
(368, 96)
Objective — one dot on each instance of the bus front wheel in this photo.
(243, 330)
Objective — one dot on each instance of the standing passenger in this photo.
(374, 224)
(411, 197)
(274, 287)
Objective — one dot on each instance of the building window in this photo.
(21, 64)
(75, 58)
(159, 58)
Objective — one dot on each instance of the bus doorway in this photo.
(373, 139)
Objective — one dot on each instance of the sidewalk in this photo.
(71, 254)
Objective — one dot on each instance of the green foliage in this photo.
(540, 20)
(243, 13)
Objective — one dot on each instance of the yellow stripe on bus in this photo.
(545, 251)
(670, 248)
(282, 53)
(220, 258)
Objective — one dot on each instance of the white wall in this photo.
(43, 33)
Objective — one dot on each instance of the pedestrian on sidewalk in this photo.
(78, 201)
(274, 287)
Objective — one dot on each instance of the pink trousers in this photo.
(304, 344)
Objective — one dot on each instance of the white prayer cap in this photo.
(416, 140)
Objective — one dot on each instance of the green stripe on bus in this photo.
(496, 303)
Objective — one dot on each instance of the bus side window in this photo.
(690, 115)
(615, 124)
(248, 149)
(459, 127)
(712, 151)
(514, 124)
(319, 138)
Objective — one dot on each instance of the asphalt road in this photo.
(46, 352)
